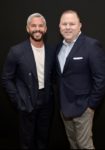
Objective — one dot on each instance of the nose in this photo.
(37, 27)
(68, 26)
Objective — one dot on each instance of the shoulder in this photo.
(94, 46)
(19, 48)
(20, 45)
(91, 41)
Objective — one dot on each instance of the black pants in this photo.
(34, 126)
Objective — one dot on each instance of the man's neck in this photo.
(37, 44)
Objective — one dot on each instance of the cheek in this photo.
(27, 29)
(30, 30)
(45, 31)
(62, 30)
(42, 30)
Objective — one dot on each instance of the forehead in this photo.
(68, 17)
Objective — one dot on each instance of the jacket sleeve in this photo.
(97, 68)
(8, 76)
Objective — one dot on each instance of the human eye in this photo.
(33, 25)
(41, 25)
(64, 24)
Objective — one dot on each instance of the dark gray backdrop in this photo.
(13, 16)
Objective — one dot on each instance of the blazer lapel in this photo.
(57, 52)
(73, 51)
(47, 60)
(30, 58)
(45, 63)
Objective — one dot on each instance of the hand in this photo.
(90, 109)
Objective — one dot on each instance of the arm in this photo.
(8, 76)
(97, 68)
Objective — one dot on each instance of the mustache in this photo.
(37, 32)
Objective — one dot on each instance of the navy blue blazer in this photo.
(19, 75)
(82, 83)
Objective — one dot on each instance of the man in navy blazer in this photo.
(27, 77)
(81, 80)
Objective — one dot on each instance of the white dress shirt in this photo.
(64, 52)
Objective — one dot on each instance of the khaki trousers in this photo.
(79, 130)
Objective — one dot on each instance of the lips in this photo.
(68, 32)
(37, 32)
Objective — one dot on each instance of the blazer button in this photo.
(29, 73)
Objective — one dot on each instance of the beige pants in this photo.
(79, 130)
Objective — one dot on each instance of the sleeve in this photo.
(97, 68)
(8, 76)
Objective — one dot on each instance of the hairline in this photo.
(70, 12)
(35, 15)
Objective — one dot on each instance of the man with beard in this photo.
(27, 77)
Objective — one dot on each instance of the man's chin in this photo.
(37, 39)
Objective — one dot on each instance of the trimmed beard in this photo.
(35, 39)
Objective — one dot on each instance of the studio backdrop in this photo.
(13, 16)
